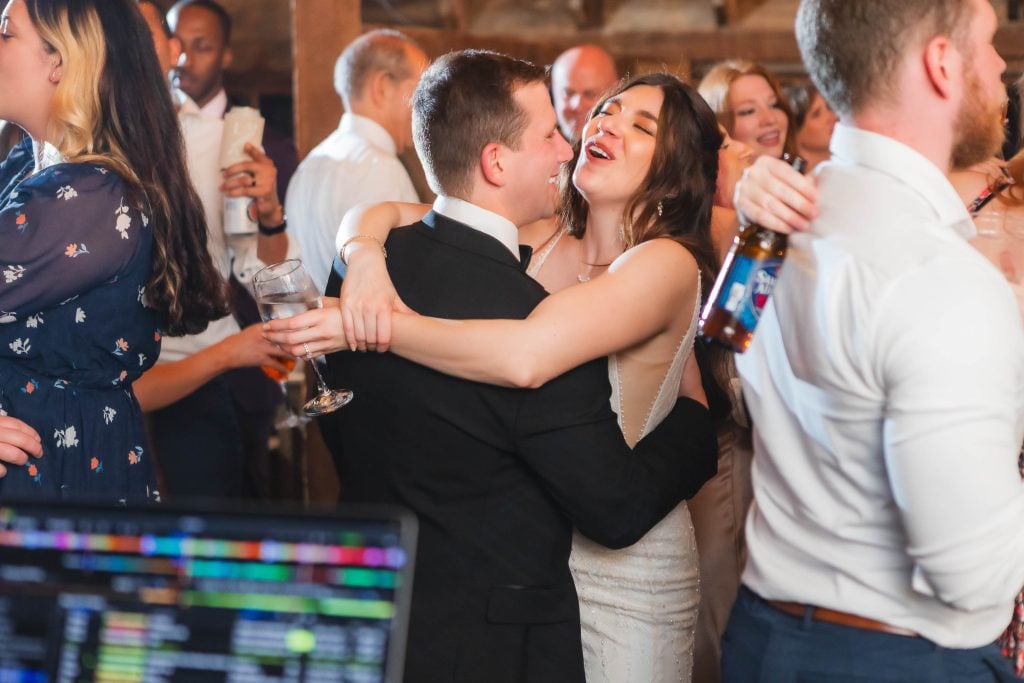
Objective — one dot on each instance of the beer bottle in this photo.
(744, 284)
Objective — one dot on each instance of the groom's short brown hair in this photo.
(464, 101)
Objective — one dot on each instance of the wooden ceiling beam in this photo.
(696, 46)
(771, 47)
(735, 10)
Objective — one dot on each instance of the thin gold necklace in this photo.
(585, 277)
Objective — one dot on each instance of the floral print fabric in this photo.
(74, 329)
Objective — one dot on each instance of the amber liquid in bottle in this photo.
(744, 284)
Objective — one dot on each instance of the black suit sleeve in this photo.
(570, 438)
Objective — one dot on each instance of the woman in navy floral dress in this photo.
(103, 244)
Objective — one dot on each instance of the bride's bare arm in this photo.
(375, 221)
(640, 296)
(367, 294)
(316, 332)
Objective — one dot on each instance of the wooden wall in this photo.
(320, 31)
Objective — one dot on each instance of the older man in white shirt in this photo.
(375, 77)
(886, 378)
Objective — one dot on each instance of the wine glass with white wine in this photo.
(286, 289)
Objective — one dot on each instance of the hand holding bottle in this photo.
(774, 195)
(745, 282)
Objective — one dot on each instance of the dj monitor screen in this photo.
(100, 594)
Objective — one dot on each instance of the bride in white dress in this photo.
(625, 256)
(638, 605)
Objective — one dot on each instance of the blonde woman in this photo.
(750, 104)
(104, 243)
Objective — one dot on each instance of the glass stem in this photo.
(321, 385)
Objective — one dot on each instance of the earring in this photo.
(661, 209)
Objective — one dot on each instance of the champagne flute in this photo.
(286, 289)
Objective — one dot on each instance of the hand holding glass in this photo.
(286, 289)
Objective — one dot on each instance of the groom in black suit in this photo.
(498, 477)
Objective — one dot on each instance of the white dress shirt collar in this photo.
(216, 107)
(906, 165)
(185, 104)
(368, 130)
(487, 222)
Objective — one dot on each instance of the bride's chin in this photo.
(584, 181)
(585, 192)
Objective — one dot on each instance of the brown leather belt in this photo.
(832, 616)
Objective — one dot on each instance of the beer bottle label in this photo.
(747, 290)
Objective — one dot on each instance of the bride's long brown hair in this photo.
(681, 178)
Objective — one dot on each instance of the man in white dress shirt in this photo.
(886, 378)
(375, 77)
(210, 408)
(203, 30)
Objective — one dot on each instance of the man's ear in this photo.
(377, 89)
(492, 165)
(943, 65)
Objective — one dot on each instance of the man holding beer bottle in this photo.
(886, 377)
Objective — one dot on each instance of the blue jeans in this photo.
(764, 645)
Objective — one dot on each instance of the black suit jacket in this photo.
(498, 477)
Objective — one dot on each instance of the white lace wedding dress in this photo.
(638, 605)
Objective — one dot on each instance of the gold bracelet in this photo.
(350, 240)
